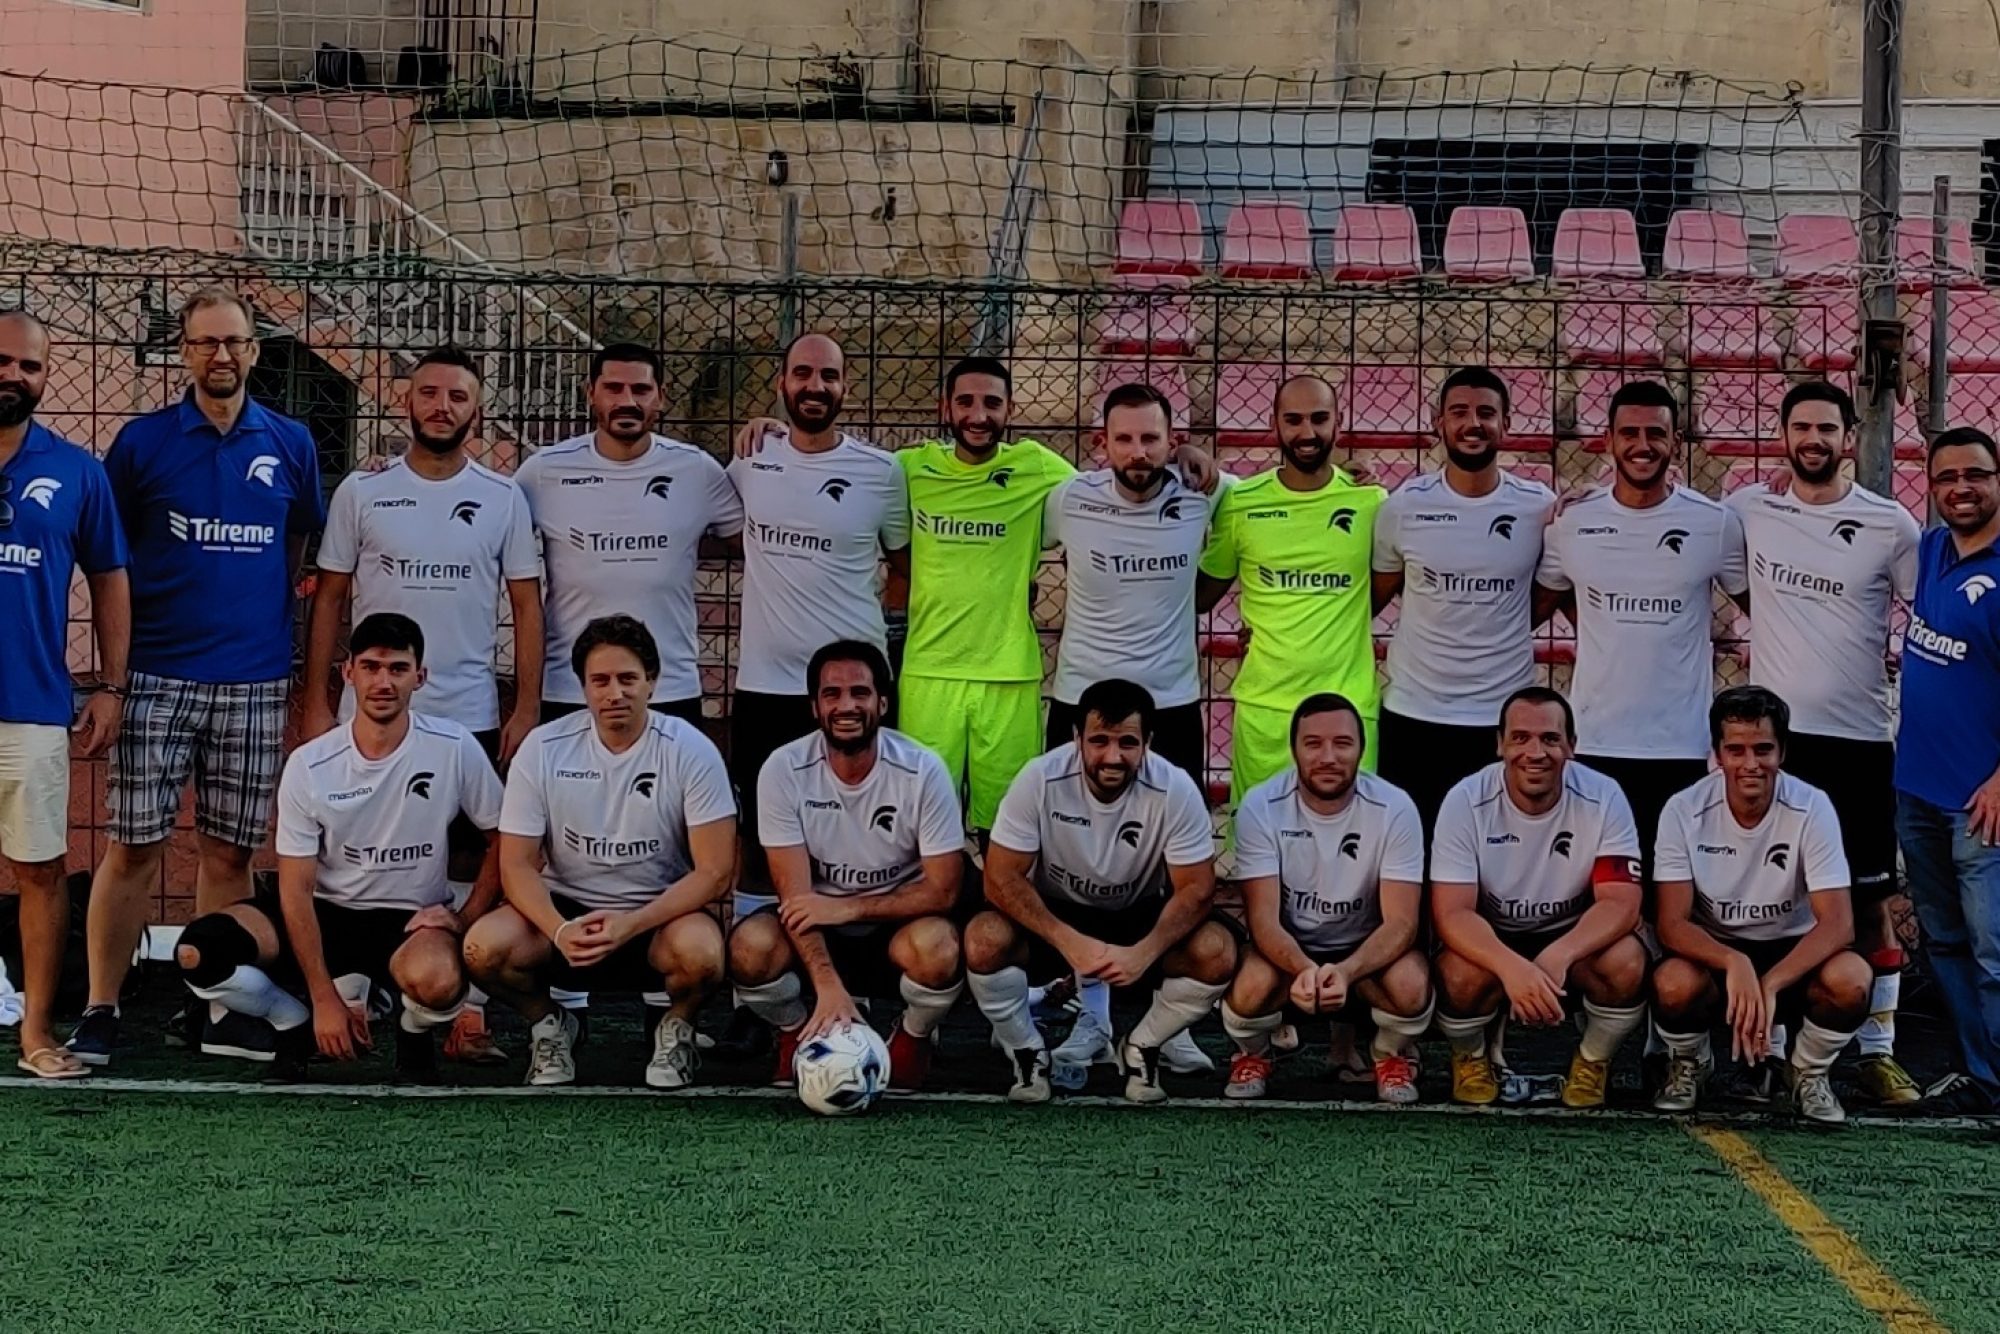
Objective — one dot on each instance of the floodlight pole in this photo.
(1879, 378)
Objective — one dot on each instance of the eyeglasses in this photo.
(208, 347)
(6, 506)
(1970, 476)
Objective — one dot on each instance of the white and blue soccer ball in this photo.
(843, 1072)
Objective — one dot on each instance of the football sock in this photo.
(421, 1018)
(1396, 1034)
(1878, 1030)
(1688, 1046)
(1814, 1052)
(1779, 1036)
(1466, 1035)
(570, 1000)
(1178, 1004)
(475, 999)
(658, 1000)
(355, 989)
(924, 1008)
(1251, 1032)
(249, 990)
(776, 1002)
(1604, 1027)
(1095, 997)
(1003, 998)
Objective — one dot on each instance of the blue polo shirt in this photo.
(207, 517)
(1949, 741)
(63, 518)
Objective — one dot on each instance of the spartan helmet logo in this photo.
(263, 468)
(1977, 587)
(1128, 833)
(1343, 519)
(1846, 529)
(884, 819)
(1561, 846)
(659, 486)
(42, 491)
(419, 785)
(1002, 476)
(464, 510)
(1170, 508)
(1779, 854)
(642, 784)
(1503, 527)
(1673, 538)
(1350, 846)
(835, 487)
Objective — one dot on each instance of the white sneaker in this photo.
(675, 1055)
(1813, 1096)
(550, 1058)
(1680, 1091)
(1031, 1075)
(1183, 1055)
(1142, 1074)
(1089, 1043)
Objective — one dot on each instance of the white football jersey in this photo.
(814, 530)
(1464, 638)
(625, 537)
(1752, 884)
(1131, 582)
(378, 827)
(439, 553)
(1330, 869)
(1645, 654)
(1823, 580)
(614, 828)
(1534, 872)
(1099, 856)
(867, 839)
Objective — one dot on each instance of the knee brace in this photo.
(221, 945)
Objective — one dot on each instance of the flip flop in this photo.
(50, 1063)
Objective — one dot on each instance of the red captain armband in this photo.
(1615, 871)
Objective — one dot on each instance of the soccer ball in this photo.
(843, 1072)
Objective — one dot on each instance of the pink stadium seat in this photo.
(1158, 321)
(1169, 377)
(1161, 236)
(1702, 243)
(1531, 416)
(1824, 329)
(1972, 332)
(1483, 244)
(1817, 248)
(1736, 412)
(1729, 327)
(1617, 325)
(1383, 407)
(1913, 254)
(1596, 243)
(1268, 239)
(1375, 243)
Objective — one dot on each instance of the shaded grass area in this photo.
(142, 1212)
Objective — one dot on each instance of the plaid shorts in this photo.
(229, 738)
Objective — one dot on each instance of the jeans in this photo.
(1955, 888)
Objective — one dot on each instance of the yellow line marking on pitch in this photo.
(1873, 1286)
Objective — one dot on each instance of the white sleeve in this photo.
(896, 510)
(1671, 859)
(1903, 572)
(1388, 558)
(524, 808)
(1190, 835)
(340, 544)
(520, 555)
(1052, 533)
(1455, 842)
(1734, 571)
(940, 823)
(725, 507)
(1256, 850)
(299, 828)
(706, 795)
(1550, 572)
(1824, 857)
(1017, 825)
(1620, 835)
(778, 824)
(1403, 841)
(479, 792)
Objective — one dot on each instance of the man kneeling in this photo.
(1102, 865)
(364, 814)
(866, 844)
(617, 836)
(1535, 872)
(1755, 909)
(1331, 861)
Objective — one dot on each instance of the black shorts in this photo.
(860, 954)
(687, 710)
(1648, 785)
(1764, 955)
(1859, 778)
(1427, 760)
(626, 970)
(758, 725)
(1113, 926)
(351, 940)
(465, 840)
(1180, 736)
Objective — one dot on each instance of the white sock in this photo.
(923, 1008)
(1466, 1035)
(250, 990)
(1688, 1046)
(1177, 1005)
(475, 1000)
(421, 1018)
(549, 1025)
(461, 890)
(1779, 1037)
(776, 1002)
(1816, 1048)
(1251, 1032)
(354, 988)
(1878, 1030)
(1003, 998)
(659, 1000)
(1656, 1041)
(570, 1000)
(1035, 995)
(1095, 997)
(1605, 1027)
(1496, 1041)
(1396, 1034)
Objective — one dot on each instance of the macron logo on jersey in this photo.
(215, 535)
(1977, 587)
(41, 490)
(419, 785)
(464, 511)
(263, 468)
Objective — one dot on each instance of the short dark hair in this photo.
(637, 353)
(1138, 394)
(619, 631)
(1114, 701)
(217, 295)
(387, 629)
(1643, 394)
(1965, 435)
(447, 355)
(965, 366)
(1539, 695)
(1818, 391)
(851, 650)
(1476, 377)
(1327, 702)
(1750, 704)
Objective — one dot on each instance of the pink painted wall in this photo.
(163, 43)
